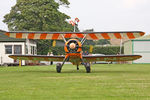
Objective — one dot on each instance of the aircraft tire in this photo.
(88, 68)
(58, 67)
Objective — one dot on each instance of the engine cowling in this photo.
(73, 46)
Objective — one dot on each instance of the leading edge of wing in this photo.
(42, 32)
(111, 58)
(37, 57)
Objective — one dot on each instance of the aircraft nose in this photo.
(72, 45)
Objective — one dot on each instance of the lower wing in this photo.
(86, 58)
(111, 58)
(37, 57)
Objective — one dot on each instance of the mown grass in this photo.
(106, 82)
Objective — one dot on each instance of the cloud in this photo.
(134, 3)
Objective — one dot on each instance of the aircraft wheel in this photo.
(88, 68)
(58, 67)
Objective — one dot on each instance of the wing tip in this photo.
(142, 33)
(12, 56)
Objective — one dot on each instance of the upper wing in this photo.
(111, 58)
(37, 57)
(89, 35)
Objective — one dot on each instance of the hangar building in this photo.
(139, 46)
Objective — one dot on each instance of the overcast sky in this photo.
(101, 15)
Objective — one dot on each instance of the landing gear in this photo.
(58, 67)
(77, 67)
(87, 67)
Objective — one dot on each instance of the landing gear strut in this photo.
(59, 65)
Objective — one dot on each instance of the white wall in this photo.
(128, 47)
(142, 48)
(4, 57)
(145, 58)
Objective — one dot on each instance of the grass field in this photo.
(106, 82)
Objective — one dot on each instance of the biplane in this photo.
(73, 47)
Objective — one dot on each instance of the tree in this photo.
(38, 15)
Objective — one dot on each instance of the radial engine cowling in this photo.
(73, 46)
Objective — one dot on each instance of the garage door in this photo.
(142, 48)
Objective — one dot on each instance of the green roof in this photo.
(4, 38)
(146, 37)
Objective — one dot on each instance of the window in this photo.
(8, 49)
(17, 49)
(31, 49)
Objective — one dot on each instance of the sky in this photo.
(101, 15)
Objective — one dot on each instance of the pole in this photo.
(19, 63)
(75, 27)
(28, 46)
(91, 49)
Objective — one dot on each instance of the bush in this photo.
(108, 50)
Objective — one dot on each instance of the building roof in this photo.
(146, 37)
(4, 38)
(1, 31)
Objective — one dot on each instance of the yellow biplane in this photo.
(73, 47)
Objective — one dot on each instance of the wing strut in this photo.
(120, 47)
(63, 38)
(83, 40)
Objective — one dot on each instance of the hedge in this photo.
(107, 50)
